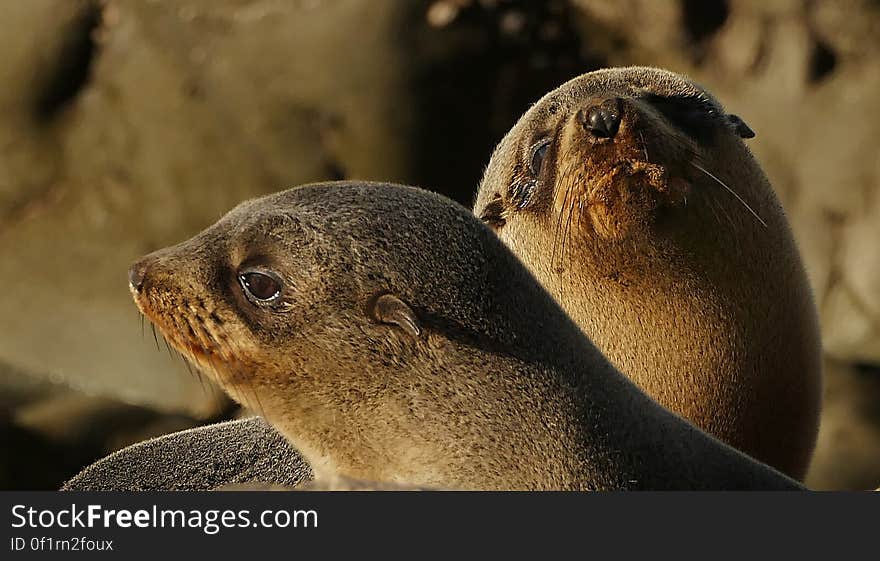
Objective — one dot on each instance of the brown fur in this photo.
(470, 378)
(687, 292)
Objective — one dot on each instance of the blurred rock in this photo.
(182, 117)
(805, 76)
(133, 125)
(35, 463)
(89, 421)
(18, 388)
(126, 126)
(848, 451)
(53, 437)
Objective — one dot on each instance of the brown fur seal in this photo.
(391, 337)
(630, 195)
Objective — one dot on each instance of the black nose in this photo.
(602, 121)
(136, 275)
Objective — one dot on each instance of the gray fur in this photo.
(246, 451)
(497, 390)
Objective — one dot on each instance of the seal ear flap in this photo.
(391, 310)
(740, 127)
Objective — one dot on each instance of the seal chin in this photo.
(620, 200)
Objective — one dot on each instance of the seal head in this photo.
(351, 316)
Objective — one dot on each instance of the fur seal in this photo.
(200, 459)
(392, 337)
(629, 193)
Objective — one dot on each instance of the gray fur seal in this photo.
(392, 337)
(200, 459)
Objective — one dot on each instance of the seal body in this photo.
(392, 338)
(631, 196)
(247, 451)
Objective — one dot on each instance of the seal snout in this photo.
(145, 276)
(136, 275)
(603, 119)
(152, 271)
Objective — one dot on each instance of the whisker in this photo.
(201, 381)
(564, 173)
(580, 215)
(710, 203)
(254, 399)
(644, 146)
(203, 339)
(186, 364)
(155, 339)
(167, 346)
(732, 192)
(730, 221)
(234, 351)
(556, 232)
(259, 402)
(567, 235)
(210, 359)
(194, 369)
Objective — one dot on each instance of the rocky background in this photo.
(128, 125)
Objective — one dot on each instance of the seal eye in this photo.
(697, 117)
(539, 150)
(259, 286)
